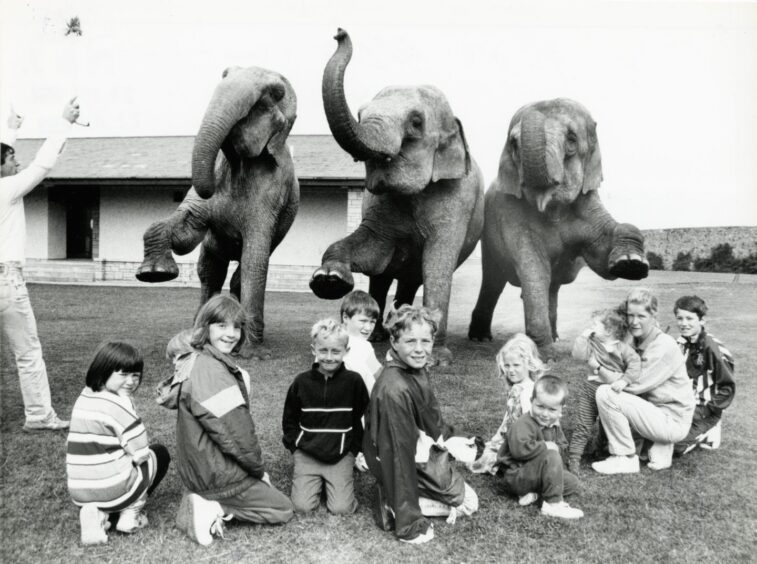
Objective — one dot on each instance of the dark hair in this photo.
(5, 151)
(398, 320)
(219, 309)
(359, 302)
(552, 386)
(614, 321)
(691, 303)
(111, 357)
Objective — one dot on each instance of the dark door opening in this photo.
(81, 213)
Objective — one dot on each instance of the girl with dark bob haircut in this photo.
(219, 309)
(110, 357)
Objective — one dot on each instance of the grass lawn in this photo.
(703, 509)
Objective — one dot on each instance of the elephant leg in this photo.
(535, 276)
(406, 292)
(362, 251)
(493, 281)
(614, 250)
(378, 286)
(181, 232)
(211, 270)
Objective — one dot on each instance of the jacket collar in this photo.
(221, 357)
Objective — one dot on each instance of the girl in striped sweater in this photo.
(111, 469)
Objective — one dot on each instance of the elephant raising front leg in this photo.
(627, 258)
(181, 232)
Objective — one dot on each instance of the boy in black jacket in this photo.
(322, 424)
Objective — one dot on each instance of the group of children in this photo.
(332, 423)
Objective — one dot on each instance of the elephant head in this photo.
(251, 111)
(551, 154)
(407, 136)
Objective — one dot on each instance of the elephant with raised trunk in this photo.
(544, 219)
(240, 205)
(423, 211)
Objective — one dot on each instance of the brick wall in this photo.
(699, 241)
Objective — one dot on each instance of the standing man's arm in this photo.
(19, 185)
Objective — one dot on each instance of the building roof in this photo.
(316, 157)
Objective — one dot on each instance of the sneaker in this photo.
(617, 465)
(660, 456)
(204, 517)
(382, 513)
(129, 521)
(51, 423)
(712, 438)
(560, 509)
(423, 537)
(528, 499)
(93, 524)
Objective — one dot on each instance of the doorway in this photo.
(82, 214)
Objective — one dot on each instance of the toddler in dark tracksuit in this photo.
(322, 424)
(532, 454)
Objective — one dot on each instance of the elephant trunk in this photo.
(363, 143)
(536, 172)
(230, 103)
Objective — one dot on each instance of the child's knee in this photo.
(342, 506)
(604, 394)
(300, 505)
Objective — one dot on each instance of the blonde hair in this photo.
(399, 320)
(328, 326)
(643, 297)
(526, 349)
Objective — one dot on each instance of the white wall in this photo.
(35, 207)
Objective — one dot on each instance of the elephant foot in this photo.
(480, 328)
(441, 356)
(548, 352)
(158, 268)
(379, 335)
(332, 281)
(627, 258)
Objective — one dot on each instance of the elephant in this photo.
(423, 209)
(241, 208)
(544, 220)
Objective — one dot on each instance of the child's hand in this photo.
(618, 385)
(360, 462)
(14, 120)
(266, 478)
(551, 445)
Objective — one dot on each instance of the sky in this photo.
(672, 85)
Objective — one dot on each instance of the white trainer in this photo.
(560, 509)
(617, 465)
(712, 438)
(130, 520)
(528, 499)
(203, 519)
(93, 524)
(422, 538)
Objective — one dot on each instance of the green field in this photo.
(703, 509)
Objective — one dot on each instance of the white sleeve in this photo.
(8, 136)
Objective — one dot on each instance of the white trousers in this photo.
(623, 412)
(20, 334)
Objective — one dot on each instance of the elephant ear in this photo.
(593, 167)
(288, 107)
(452, 158)
(508, 177)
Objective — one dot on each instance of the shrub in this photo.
(682, 262)
(655, 261)
(720, 260)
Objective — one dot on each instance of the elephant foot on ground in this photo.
(548, 352)
(255, 350)
(379, 334)
(441, 356)
(158, 267)
(332, 281)
(627, 258)
(480, 328)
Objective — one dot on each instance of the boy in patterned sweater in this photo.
(710, 366)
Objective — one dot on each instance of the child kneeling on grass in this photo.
(218, 454)
(111, 469)
(532, 455)
(710, 367)
(322, 424)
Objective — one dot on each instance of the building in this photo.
(85, 222)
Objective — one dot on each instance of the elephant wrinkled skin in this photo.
(423, 211)
(241, 208)
(543, 219)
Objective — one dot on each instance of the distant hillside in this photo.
(699, 242)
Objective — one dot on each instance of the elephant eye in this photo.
(416, 121)
(571, 143)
